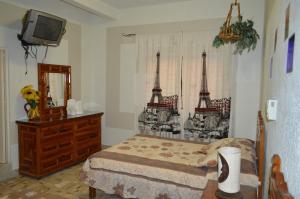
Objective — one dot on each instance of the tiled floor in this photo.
(65, 184)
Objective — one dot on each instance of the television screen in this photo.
(47, 28)
(41, 28)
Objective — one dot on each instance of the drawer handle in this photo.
(92, 121)
(82, 125)
(65, 158)
(93, 135)
(64, 145)
(63, 130)
(95, 121)
(50, 148)
(83, 152)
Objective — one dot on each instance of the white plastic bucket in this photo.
(229, 182)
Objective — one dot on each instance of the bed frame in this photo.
(278, 188)
(260, 154)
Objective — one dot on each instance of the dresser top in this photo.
(58, 120)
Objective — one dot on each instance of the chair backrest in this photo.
(278, 188)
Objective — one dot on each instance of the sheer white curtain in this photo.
(169, 46)
(219, 69)
(185, 48)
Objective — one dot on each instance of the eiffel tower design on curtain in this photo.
(160, 117)
(156, 91)
(211, 117)
(204, 103)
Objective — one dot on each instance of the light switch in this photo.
(272, 110)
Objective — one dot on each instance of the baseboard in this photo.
(6, 172)
(14, 156)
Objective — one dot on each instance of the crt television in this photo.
(40, 28)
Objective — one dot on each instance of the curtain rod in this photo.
(134, 34)
(128, 35)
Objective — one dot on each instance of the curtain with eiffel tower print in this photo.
(175, 77)
(159, 59)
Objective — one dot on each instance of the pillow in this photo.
(246, 146)
(218, 144)
(245, 142)
(210, 160)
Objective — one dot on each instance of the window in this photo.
(181, 57)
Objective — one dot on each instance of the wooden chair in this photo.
(278, 188)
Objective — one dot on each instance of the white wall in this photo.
(17, 78)
(248, 72)
(283, 134)
(93, 66)
(70, 52)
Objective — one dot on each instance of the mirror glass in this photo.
(55, 89)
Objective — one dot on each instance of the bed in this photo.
(147, 167)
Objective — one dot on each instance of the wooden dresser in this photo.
(48, 146)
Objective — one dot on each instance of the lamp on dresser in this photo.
(56, 140)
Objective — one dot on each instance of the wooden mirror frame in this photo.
(47, 113)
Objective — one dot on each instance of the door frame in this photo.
(5, 141)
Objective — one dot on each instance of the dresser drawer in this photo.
(87, 123)
(49, 165)
(84, 152)
(56, 131)
(65, 144)
(65, 159)
(95, 148)
(48, 149)
(47, 146)
(90, 135)
(54, 148)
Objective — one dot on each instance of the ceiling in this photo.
(123, 4)
(12, 11)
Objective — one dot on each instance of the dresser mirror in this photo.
(55, 90)
(56, 83)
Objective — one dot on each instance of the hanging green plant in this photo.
(248, 37)
(240, 33)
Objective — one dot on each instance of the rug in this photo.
(61, 185)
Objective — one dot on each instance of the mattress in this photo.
(148, 167)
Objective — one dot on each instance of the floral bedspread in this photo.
(148, 167)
